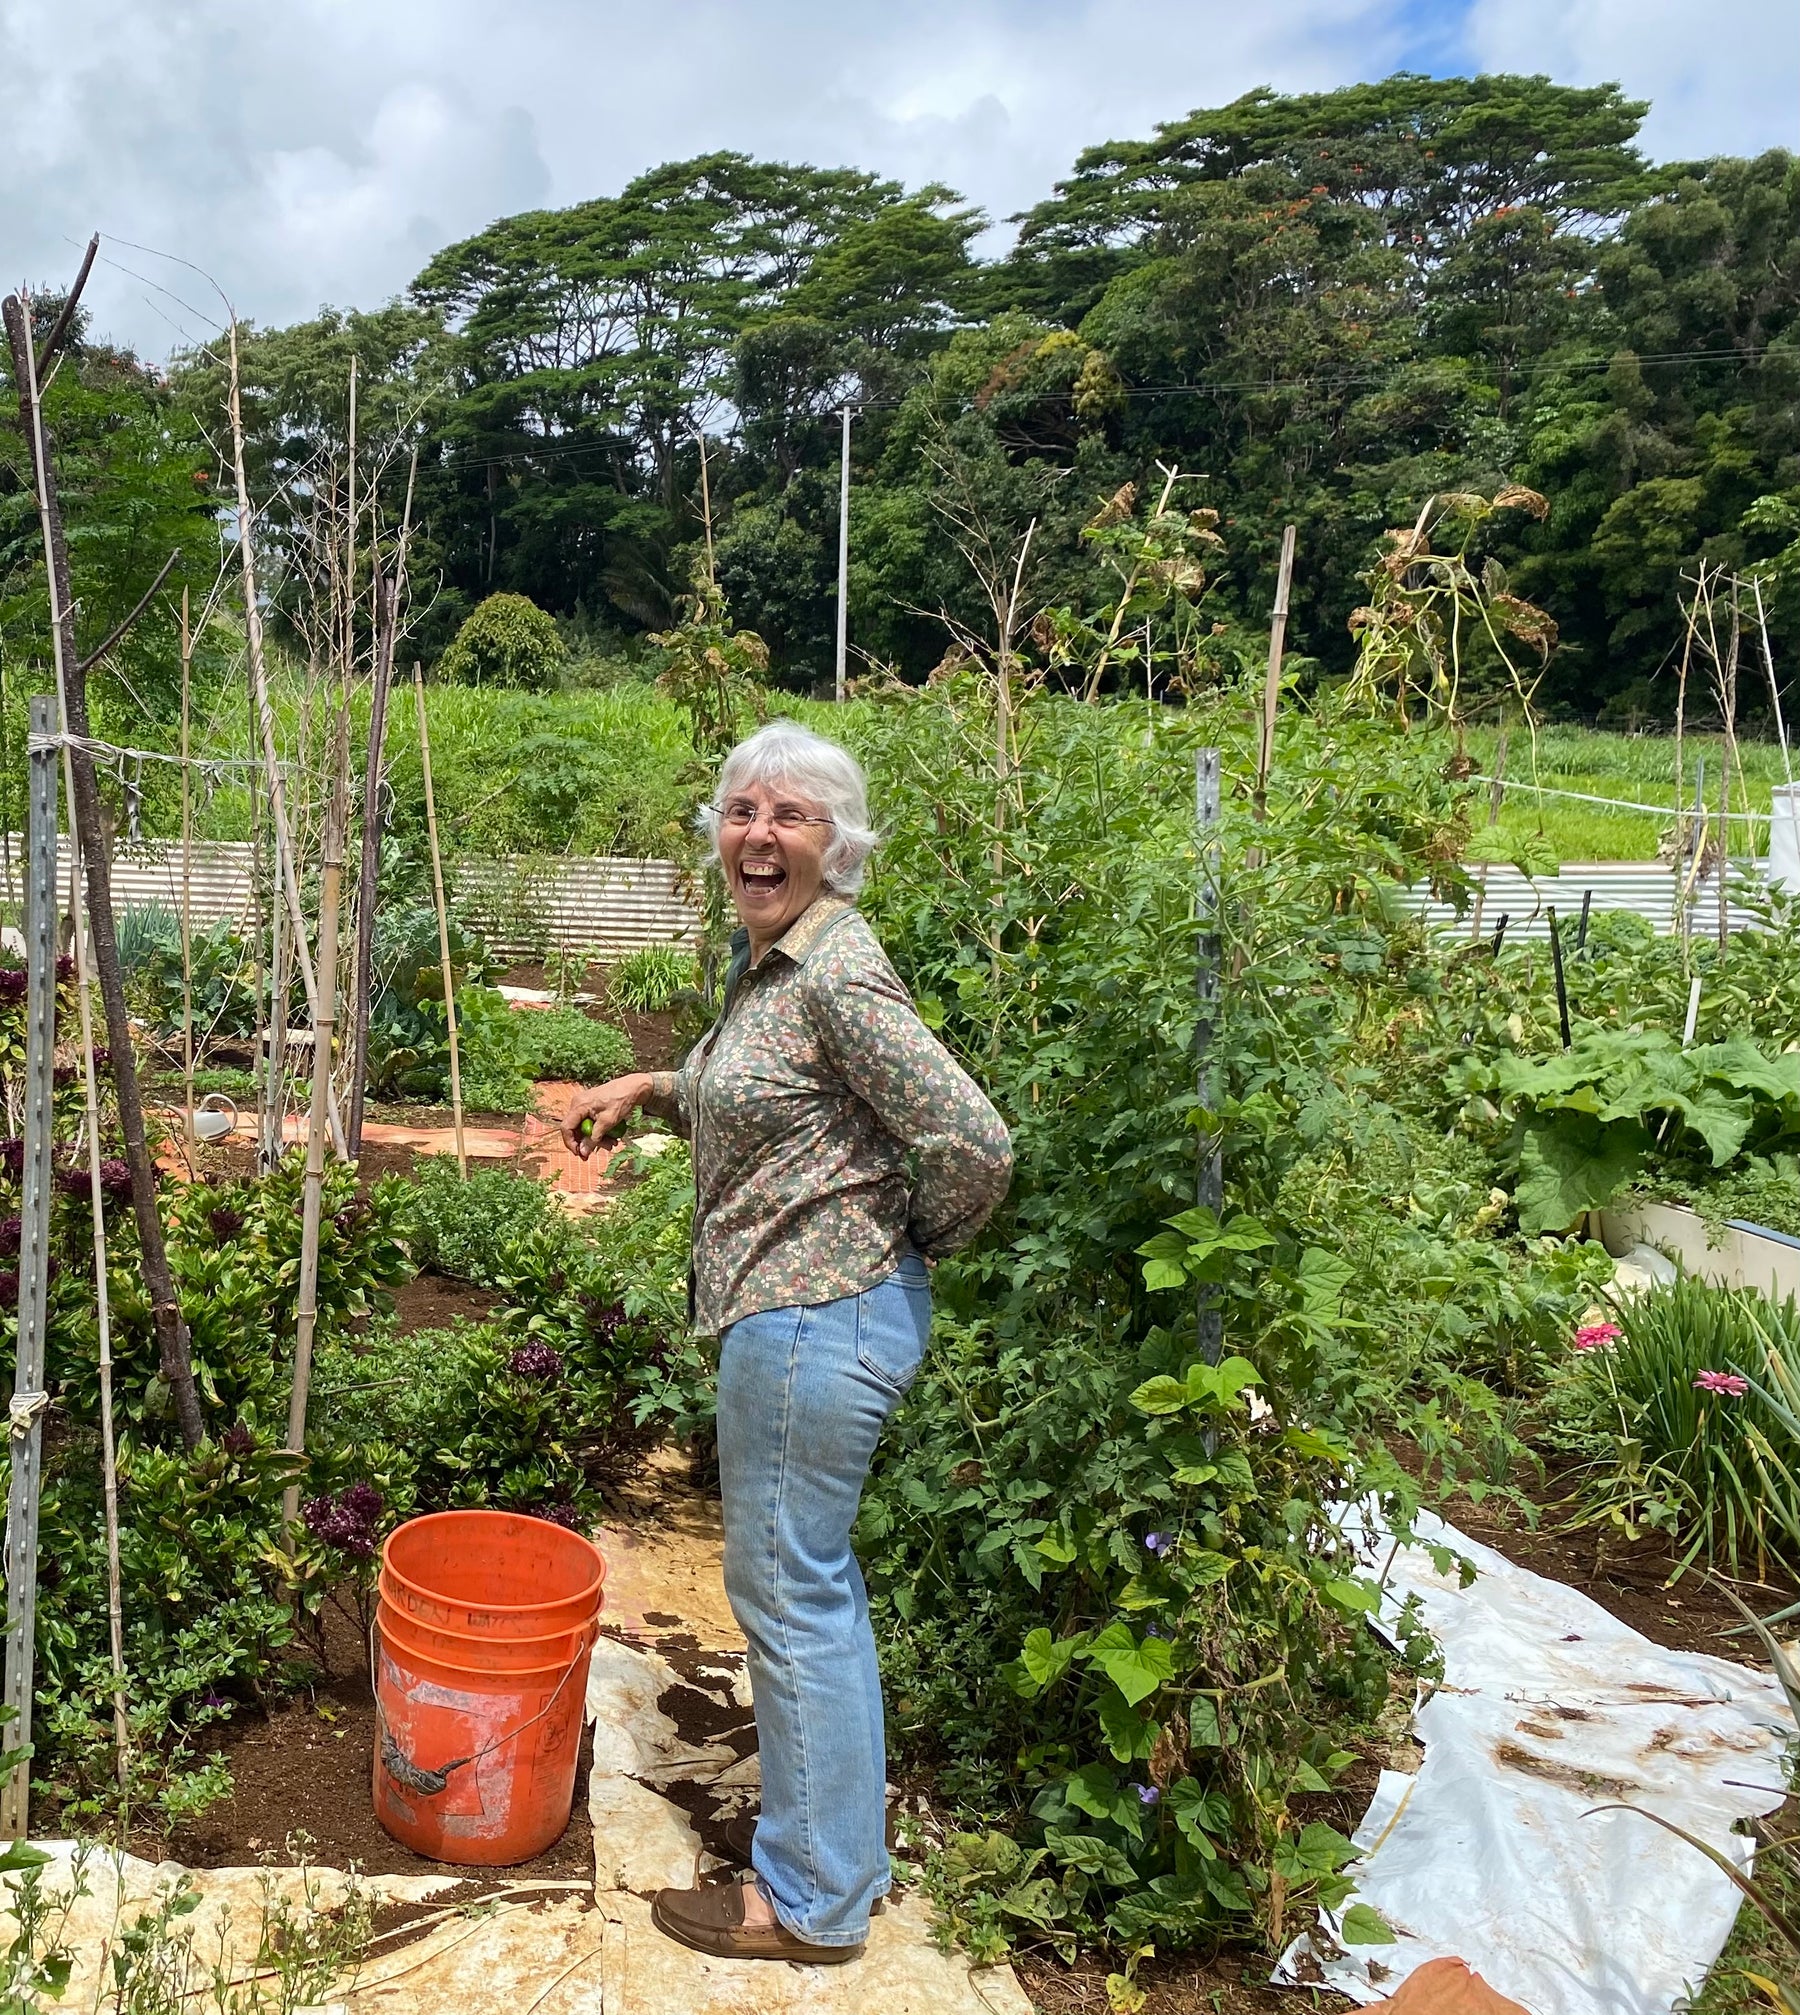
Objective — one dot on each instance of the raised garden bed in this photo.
(1741, 1254)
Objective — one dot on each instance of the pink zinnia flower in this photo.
(1597, 1336)
(1733, 1383)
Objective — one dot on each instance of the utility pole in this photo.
(843, 609)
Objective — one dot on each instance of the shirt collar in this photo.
(800, 938)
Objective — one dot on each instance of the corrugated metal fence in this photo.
(1647, 888)
(528, 906)
(524, 907)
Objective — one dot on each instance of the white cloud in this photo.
(1722, 78)
(320, 150)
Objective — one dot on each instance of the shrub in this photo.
(507, 641)
(565, 1045)
(647, 980)
(464, 1226)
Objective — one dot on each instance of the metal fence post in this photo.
(1209, 1180)
(25, 1425)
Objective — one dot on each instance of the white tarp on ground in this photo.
(1549, 1708)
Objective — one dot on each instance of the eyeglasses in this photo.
(784, 818)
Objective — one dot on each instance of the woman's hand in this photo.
(593, 1116)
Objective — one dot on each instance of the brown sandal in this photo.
(711, 1920)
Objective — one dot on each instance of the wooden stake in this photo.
(187, 894)
(89, 819)
(443, 921)
(1265, 754)
(306, 1313)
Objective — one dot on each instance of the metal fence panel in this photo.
(524, 907)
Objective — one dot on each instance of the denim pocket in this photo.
(893, 1324)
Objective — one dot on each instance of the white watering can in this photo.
(214, 1117)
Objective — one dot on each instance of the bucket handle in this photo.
(429, 1783)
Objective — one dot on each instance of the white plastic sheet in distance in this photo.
(1494, 1854)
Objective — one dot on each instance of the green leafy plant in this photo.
(1589, 1121)
(647, 980)
(507, 641)
(1703, 1386)
(564, 1045)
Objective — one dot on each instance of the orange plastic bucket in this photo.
(456, 1647)
(492, 1573)
(480, 1699)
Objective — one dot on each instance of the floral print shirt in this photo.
(804, 1103)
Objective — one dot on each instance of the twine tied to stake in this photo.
(23, 1412)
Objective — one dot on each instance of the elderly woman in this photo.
(838, 1152)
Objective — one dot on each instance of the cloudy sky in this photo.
(319, 150)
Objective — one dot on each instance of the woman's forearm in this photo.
(658, 1100)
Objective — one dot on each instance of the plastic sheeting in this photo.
(1495, 1853)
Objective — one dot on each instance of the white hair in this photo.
(785, 753)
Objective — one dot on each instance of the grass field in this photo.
(1640, 768)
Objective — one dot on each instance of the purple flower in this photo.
(65, 969)
(564, 1515)
(13, 982)
(9, 1288)
(225, 1222)
(537, 1361)
(63, 1075)
(115, 1177)
(1732, 1383)
(1148, 1794)
(12, 1156)
(1150, 1630)
(12, 1231)
(347, 1521)
(603, 1317)
(1159, 1543)
(238, 1441)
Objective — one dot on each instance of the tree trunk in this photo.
(90, 826)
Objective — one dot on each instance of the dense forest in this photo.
(1318, 309)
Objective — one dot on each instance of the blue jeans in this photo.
(803, 1396)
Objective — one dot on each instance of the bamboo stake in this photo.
(275, 1076)
(1727, 679)
(187, 893)
(259, 1019)
(443, 921)
(253, 642)
(306, 1313)
(387, 627)
(109, 1457)
(1781, 733)
(1265, 754)
(89, 821)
